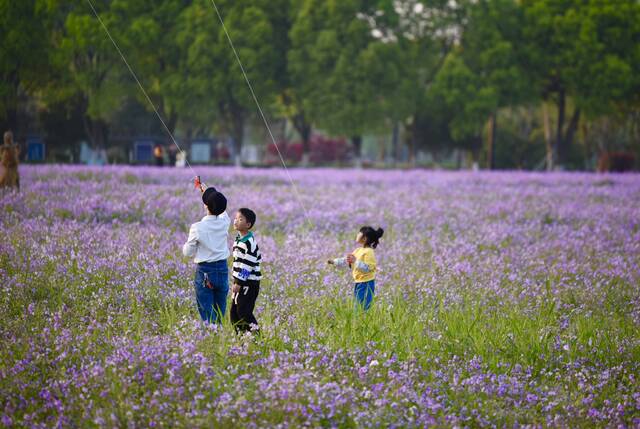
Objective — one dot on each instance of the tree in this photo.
(306, 61)
(422, 35)
(343, 76)
(583, 50)
(485, 72)
(24, 54)
(217, 74)
(149, 37)
(87, 67)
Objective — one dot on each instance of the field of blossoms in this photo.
(502, 299)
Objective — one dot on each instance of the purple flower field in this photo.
(502, 299)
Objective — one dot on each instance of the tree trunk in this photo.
(97, 132)
(547, 135)
(171, 122)
(411, 142)
(10, 122)
(235, 115)
(589, 152)
(559, 147)
(476, 148)
(491, 141)
(394, 143)
(304, 129)
(571, 131)
(188, 135)
(412, 151)
(382, 148)
(238, 135)
(356, 141)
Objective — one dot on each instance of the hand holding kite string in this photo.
(198, 184)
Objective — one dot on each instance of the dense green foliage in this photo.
(497, 78)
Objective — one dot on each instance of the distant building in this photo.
(35, 149)
(143, 151)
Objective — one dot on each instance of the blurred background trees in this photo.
(512, 84)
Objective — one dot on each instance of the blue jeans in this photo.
(363, 293)
(212, 303)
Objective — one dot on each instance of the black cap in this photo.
(215, 201)
(207, 194)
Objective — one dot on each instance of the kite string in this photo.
(264, 119)
(255, 98)
(140, 86)
(266, 123)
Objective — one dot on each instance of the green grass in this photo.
(496, 332)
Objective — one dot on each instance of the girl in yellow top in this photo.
(363, 264)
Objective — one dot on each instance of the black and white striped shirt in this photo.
(246, 259)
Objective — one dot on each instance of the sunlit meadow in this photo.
(502, 299)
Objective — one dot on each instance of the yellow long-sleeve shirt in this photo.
(364, 269)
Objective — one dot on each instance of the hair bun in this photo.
(380, 231)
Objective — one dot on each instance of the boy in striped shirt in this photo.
(246, 272)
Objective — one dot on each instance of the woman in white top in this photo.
(208, 245)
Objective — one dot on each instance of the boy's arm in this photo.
(257, 268)
(241, 269)
(190, 248)
(226, 219)
(241, 273)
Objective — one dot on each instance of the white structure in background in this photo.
(92, 157)
(201, 151)
(250, 154)
(142, 151)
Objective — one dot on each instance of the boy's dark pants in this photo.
(242, 304)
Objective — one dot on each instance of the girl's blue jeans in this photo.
(212, 303)
(363, 293)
